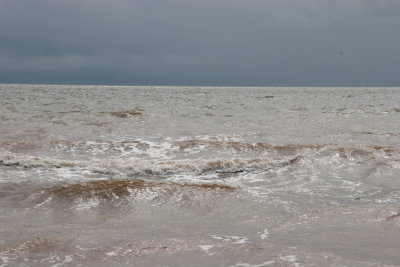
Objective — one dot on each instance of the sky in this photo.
(201, 42)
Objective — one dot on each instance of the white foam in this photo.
(206, 247)
(265, 234)
(241, 264)
(47, 200)
(4, 260)
(87, 204)
(236, 240)
(290, 258)
(161, 150)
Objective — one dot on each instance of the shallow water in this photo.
(199, 176)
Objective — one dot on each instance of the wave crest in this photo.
(121, 193)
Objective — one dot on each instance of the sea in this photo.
(199, 176)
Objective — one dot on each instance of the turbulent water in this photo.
(199, 176)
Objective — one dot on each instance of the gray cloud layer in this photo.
(201, 42)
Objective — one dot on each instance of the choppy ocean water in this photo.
(199, 176)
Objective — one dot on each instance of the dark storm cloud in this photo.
(207, 42)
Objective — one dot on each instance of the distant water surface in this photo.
(199, 176)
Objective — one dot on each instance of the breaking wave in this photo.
(243, 147)
(149, 167)
(170, 149)
(284, 155)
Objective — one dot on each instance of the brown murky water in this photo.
(198, 176)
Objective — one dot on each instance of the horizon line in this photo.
(210, 86)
